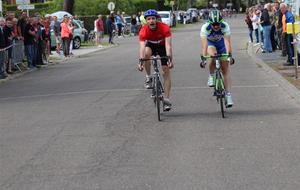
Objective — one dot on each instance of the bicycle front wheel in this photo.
(157, 96)
(222, 101)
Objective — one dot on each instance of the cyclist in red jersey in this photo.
(155, 39)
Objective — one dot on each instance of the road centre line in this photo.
(126, 90)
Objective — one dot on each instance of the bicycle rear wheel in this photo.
(157, 96)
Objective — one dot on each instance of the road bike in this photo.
(157, 87)
(219, 85)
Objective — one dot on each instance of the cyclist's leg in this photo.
(212, 51)
(148, 54)
(165, 71)
(225, 68)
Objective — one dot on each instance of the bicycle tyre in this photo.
(157, 96)
(126, 31)
(222, 101)
(219, 87)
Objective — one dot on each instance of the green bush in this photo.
(144, 5)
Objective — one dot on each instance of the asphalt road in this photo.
(88, 124)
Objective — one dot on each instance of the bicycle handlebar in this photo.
(156, 58)
(217, 56)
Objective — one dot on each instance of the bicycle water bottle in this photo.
(218, 64)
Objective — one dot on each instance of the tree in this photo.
(68, 6)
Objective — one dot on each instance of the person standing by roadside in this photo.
(65, 36)
(278, 24)
(22, 24)
(8, 32)
(71, 27)
(99, 31)
(272, 17)
(3, 74)
(266, 24)
(249, 23)
(289, 18)
(134, 26)
(57, 33)
(29, 41)
(110, 27)
(120, 23)
(255, 24)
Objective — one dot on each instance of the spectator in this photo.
(39, 38)
(278, 24)
(99, 30)
(266, 24)
(289, 19)
(29, 41)
(249, 23)
(71, 27)
(9, 36)
(65, 36)
(57, 33)
(120, 23)
(110, 28)
(255, 23)
(134, 25)
(142, 19)
(3, 74)
(272, 21)
(22, 24)
(283, 36)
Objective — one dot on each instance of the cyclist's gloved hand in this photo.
(170, 62)
(230, 59)
(203, 62)
(141, 65)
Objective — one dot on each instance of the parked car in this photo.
(166, 17)
(78, 35)
(127, 19)
(60, 15)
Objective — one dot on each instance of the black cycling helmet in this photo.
(215, 17)
(150, 12)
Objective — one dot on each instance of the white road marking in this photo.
(126, 90)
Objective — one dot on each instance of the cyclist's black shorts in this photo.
(160, 50)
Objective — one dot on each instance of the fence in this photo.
(15, 52)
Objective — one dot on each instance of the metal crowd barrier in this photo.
(18, 54)
(3, 58)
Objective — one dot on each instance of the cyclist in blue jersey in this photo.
(215, 40)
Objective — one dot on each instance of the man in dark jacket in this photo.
(266, 24)
(110, 23)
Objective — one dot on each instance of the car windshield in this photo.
(164, 15)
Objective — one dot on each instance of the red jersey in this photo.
(155, 36)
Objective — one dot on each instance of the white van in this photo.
(166, 17)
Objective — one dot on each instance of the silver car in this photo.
(78, 35)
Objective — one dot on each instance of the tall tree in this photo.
(69, 5)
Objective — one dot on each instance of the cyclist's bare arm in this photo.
(227, 42)
(142, 49)
(168, 44)
(204, 45)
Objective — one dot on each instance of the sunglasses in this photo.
(215, 25)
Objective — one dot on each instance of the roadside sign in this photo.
(172, 3)
(22, 2)
(229, 4)
(215, 5)
(111, 6)
(25, 7)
